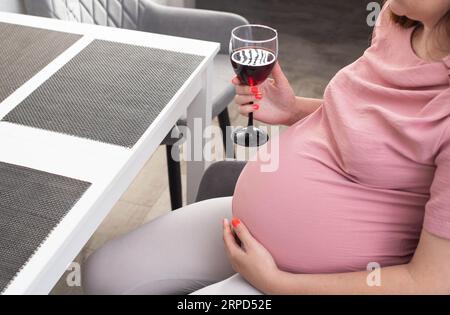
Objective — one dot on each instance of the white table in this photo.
(110, 169)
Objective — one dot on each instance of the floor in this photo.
(317, 38)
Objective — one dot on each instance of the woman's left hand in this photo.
(250, 258)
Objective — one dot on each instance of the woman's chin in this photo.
(396, 8)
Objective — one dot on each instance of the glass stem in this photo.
(250, 120)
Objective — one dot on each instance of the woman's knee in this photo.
(98, 279)
(145, 260)
(97, 276)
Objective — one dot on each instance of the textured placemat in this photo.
(24, 51)
(109, 92)
(32, 203)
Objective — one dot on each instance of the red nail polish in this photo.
(235, 222)
(255, 90)
(255, 106)
(258, 96)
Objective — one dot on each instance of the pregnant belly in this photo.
(314, 220)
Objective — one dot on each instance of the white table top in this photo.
(109, 168)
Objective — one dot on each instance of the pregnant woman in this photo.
(363, 180)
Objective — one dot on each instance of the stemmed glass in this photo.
(253, 53)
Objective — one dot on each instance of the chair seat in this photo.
(220, 179)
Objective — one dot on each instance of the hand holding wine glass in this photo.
(272, 102)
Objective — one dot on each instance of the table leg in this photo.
(199, 116)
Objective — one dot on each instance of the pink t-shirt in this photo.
(359, 177)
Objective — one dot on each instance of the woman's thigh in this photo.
(177, 253)
(235, 285)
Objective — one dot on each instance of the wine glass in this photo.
(253, 53)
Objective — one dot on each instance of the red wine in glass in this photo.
(252, 65)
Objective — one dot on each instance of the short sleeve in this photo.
(437, 210)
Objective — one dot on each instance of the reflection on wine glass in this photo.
(253, 53)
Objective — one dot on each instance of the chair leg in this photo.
(174, 173)
(224, 122)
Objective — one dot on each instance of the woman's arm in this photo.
(427, 273)
(395, 280)
(305, 107)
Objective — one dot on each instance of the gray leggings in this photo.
(179, 253)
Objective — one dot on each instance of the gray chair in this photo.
(220, 180)
(146, 15)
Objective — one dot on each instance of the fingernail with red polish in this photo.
(258, 96)
(255, 106)
(235, 222)
(255, 90)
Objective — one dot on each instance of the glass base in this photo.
(250, 137)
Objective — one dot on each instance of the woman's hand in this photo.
(272, 102)
(250, 258)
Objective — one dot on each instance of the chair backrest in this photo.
(115, 13)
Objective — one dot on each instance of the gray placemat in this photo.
(24, 51)
(109, 92)
(32, 203)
